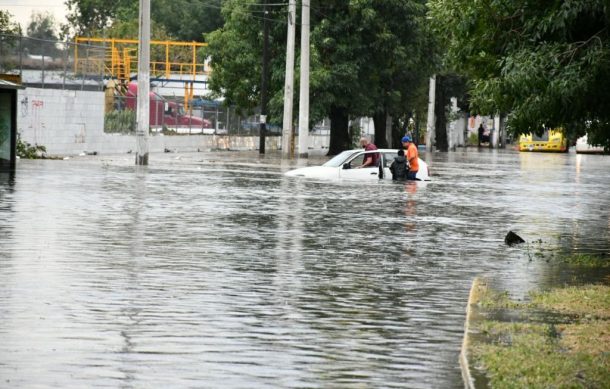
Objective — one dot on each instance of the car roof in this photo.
(375, 151)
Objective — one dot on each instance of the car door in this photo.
(386, 162)
(350, 171)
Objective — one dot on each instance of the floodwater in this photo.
(213, 270)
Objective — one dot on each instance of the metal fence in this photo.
(168, 116)
(50, 64)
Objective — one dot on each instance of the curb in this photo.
(477, 285)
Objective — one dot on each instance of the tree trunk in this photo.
(442, 143)
(339, 130)
(397, 133)
(380, 119)
(417, 135)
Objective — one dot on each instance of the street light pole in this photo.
(304, 84)
(143, 111)
(263, 128)
(430, 131)
(289, 81)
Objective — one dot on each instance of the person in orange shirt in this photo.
(412, 157)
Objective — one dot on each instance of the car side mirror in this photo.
(346, 166)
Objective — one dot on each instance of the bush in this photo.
(27, 151)
(473, 139)
(121, 122)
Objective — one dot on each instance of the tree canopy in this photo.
(43, 30)
(7, 25)
(545, 64)
(367, 57)
(187, 20)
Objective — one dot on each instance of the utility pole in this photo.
(143, 110)
(289, 81)
(430, 135)
(263, 129)
(304, 84)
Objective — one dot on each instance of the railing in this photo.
(168, 116)
(168, 58)
(45, 63)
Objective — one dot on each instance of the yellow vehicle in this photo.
(549, 141)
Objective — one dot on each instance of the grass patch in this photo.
(492, 299)
(571, 354)
(588, 301)
(586, 260)
(539, 356)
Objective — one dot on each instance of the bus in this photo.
(550, 141)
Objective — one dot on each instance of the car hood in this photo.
(314, 172)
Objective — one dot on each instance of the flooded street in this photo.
(214, 270)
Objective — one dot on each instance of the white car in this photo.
(343, 166)
(583, 147)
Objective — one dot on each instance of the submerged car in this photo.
(344, 166)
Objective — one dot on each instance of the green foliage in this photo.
(355, 133)
(28, 151)
(235, 52)
(185, 20)
(120, 122)
(9, 39)
(91, 17)
(42, 27)
(473, 139)
(544, 64)
(586, 260)
(188, 20)
(7, 25)
(366, 56)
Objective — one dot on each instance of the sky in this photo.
(22, 9)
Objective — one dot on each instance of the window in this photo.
(357, 161)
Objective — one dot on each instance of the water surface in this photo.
(214, 270)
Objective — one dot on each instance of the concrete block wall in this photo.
(71, 122)
(60, 120)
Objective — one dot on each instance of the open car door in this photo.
(350, 170)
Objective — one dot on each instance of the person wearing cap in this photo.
(371, 159)
(412, 157)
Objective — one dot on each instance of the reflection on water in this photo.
(214, 270)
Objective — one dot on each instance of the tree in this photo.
(188, 20)
(235, 52)
(337, 71)
(400, 59)
(7, 25)
(545, 64)
(89, 17)
(42, 29)
(348, 76)
(10, 32)
(181, 19)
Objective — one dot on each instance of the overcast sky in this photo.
(22, 9)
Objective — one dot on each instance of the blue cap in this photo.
(406, 138)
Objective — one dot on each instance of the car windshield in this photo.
(339, 159)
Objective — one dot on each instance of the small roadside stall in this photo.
(8, 125)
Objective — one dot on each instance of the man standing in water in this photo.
(371, 159)
(412, 157)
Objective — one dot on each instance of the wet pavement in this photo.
(214, 270)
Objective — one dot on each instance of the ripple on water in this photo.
(220, 272)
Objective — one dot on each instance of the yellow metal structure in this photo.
(118, 59)
(550, 141)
